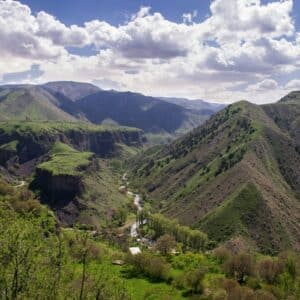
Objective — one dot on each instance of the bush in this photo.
(187, 261)
(151, 266)
(269, 270)
(157, 269)
(165, 244)
(239, 267)
(221, 254)
(28, 206)
(194, 281)
(264, 295)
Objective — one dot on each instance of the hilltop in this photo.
(235, 177)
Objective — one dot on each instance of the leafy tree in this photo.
(165, 244)
(194, 281)
(269, 270)
(240, 266)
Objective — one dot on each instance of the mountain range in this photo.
(72, 101)
(236, 177)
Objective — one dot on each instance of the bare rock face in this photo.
(58, 189)
(61, 191)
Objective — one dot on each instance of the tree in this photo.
(240, 266)
(269, 270)
(165, 244)
(194, 281)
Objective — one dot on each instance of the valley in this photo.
(208, 215)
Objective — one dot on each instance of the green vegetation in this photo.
(11, 146)
(50, 127)
(73, 263)
(237, 175)
(65, 160)
(30, 103)
(194, 239)
(233, 216)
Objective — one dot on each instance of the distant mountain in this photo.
(132, 109)
(71, 101)
(72, 90)
(26, 102)
(235, 177)
(293, 97)
(199, 105)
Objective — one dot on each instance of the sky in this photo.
(218, 50)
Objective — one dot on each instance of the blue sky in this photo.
(220, 50)
(115, 11)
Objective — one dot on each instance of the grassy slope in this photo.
(11, 146)
(30, 103)
(101, 195)
(65, 160)
(210, 176)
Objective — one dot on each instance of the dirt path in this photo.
(21, 183)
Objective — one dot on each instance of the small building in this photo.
(135, 250)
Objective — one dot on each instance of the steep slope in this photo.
(31, 103)
(237, 175)
(130, 109)
(33, 139)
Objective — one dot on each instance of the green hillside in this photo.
(237, 175)
(30, 103)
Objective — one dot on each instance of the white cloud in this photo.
(60, 34)
(189, 17)
(242, 43)
(293, 85)
(265, 85)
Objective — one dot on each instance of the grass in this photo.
(65, 160)
(233, 216)
(101, 195)
(142, 288)
(32, 104)
(11, 146)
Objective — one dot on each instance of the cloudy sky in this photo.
(219, 50)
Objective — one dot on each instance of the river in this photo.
(137, 202)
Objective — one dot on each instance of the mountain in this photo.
(72, 101)
(132, 109)
(26, 102)
(199, 105)
(235, 177)
(72, 90)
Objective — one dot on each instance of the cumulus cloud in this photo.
(265, 85)
(18, 33)
(58, 33)
(241, 43)
(293, 85)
